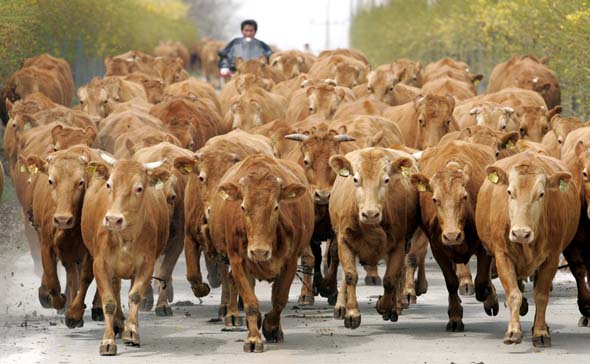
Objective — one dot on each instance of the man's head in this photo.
(249, 28)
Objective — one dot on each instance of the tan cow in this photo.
(210, 60)
(98, 98)
(238, 85)
(373, 225)
(560, 128)
(364, 106)
(348, 52)
(424, 121)
(259, 67)
(449, 179)
(346, 71)
(127, 121)
(529, 73)
(153, 87)
(270, 210)
(194, 89)
(450, 86)
(487, 113)
(125, 224)
(382, 84)
(288, 87)
(172, 49)
(503, 144)
(322, 100)
(411, 72)
(527, 213)
(171, 70)
(254, 107)
(58, 66)
(292, 63)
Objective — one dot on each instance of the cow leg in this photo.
(147, 302)
(408, 285)
(466, 287)
(544, 278)
(222, 310)
(271, 325)
(352, 317)
(97, 312)
(306, 297)
(104, 281)
(50, 291)
(578, 269)
(192, 253)
(421, 283)
(75, 313)
(508, 277)
(316, 249)
(386, 303)
(455, 310)
(253, 342)
(415, 261)
(73, 280)
(484, 289)
(164, 271)
(140, 284)
(372, 278)
(232, 317)
(34, 246)
(328, 287)
(119, 323)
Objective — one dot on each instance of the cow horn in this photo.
(153, 165)
(297, 137)
(344, 138)
(417, 155)
(107, 158)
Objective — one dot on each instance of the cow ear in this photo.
(418, 65)
(467, 169)
(556, 110)
(496, 175)
(90, 133)
(9, 105)
(185, 165)
(309, 91)
(476, 78)
(559, 180)
(98, 169)
(158, 175)
(341, 93)
(464, 134)
(36, 164)
(421, 182)
(580, 149)
(451, 101)
(554, 121)
(229, 192)
(293, 191)
(375, 139)
(341, 165)
(509, 140)
(401, 165)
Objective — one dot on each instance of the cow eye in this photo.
(242, 207)
(421, 121)
(369, 89)
(138, 189)
(306, 162)
(522, 132)
(435, 201)
(355, 180)
(109, 185)
(585, 174)
(390, 89)
(503, 127)
(50, 180)
(386, 180)
(105, 102)
(202, 179)
(542, 194)
(276, 207)
(81, 183)
(81, 102)
(465, 196)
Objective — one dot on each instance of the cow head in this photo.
(96, 99)
(289, 64)
(64, 137)
(171, 70)
(563, 126)
(349, 74)
(380, 85)
(127, 183)
(247, 81)
(434, 116)
(526, 186)
(450, 198)
(324, 100)
(372, 172)
(261, 194)
(409, 72)
(534, 121)
(317, 146)
(245, 113)
(497, 117)
(154, 90)
(503, 144)
(583, 163)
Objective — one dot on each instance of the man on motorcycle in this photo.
(246, 48)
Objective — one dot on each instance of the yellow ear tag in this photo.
(33, 169)
(509, 144)
(344, 172)
(91, 169)
(291, 194)
(27, 126)
(421, 187)
(159, 185)
(405, 171)
(493, 177)
(188, 169)
(23, 168)
(223, 195)
(563, 186)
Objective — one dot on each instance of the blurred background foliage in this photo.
(483, 33)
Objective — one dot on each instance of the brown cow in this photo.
(292, 63)
(453, 72)
(503, 144)
(491, 114)
(127, 143)
(322, 100)
(60, 67)
(424, 121)
(534, 121)
(194, 89)
(127, 121)
(288, 87)
(238, 85)
(450, 86)
(125, 224)
(266, 233)
(99, 97)
(348, 52)
(527, 213)
(254, 107)
(153, 87)
(410, 71)
(560, 128)
(346, 71)
(172, 49)
(171, 70)
(210, 60)
(449, 179)
(529, 73)
(260, 68)
(373, 225)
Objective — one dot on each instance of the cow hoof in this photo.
(108, 349)
(201, 289)
(273, 334)
(130, 338)
(420, 288)
(482, 293)
(147, 303)
(372, 280)
(332, 299)
(390, 316)
(352, 321)
(222, 311)
(163, 310)
(305, 300)
(253, 346)
(233, 321)
(584, 308)
(58, 302)
(317, 283)
(513, 337)
(455, 325)
(327, 290)
(339, 312)
(73, 323)
(118, 328)
(583, 321)
(524, 307)
(491, 306)
(541, 341)
(97, 314)
(44, 298)
(467, 289)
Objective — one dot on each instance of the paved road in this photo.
(31, 334)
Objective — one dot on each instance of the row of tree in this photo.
(484, 33)
(97, 28)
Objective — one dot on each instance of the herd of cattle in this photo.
(378, 163)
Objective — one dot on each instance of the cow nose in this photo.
(521, 234)
(321, 197)
(452, 237)
(170, 199)
(260, 254)
(113, 221)
(370, 216)
(63, 221)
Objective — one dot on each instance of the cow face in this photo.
(450, 198)
(380, 85)
(526, 188)
(434, 119)
(289, 65)
(247, 81)
(64, 137)
(261, 194)
(171, 70)
(503, 144)
(371, 174)
(324, 100)
(96, 100)
(66, 176)
(583, 155)
(409, 73)
(317, 146)
(126, 184)
(502, 118)
(534, 121)
(348, 75)
(154, 90)
(245, 113)
(563, 126)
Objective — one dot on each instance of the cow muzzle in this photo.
(522, 235)
(114, 222)
(370, 217)
(321, 197)
(453, 237)
(63, 221)
(259, 254)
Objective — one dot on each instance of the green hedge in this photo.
(484, 33)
